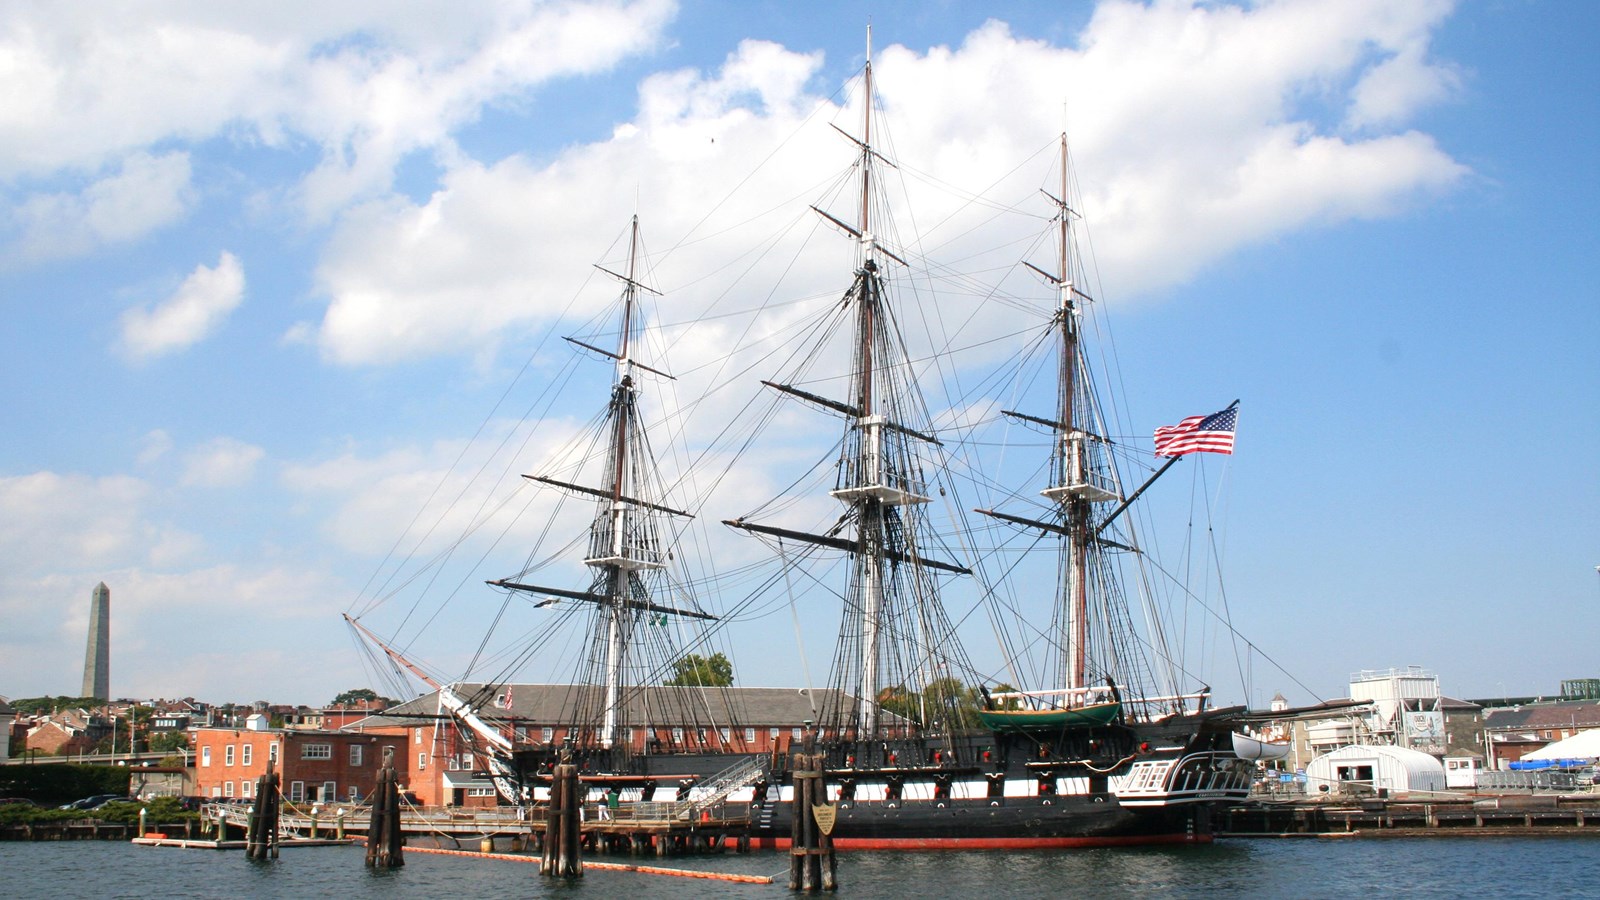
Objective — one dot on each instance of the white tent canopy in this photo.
(1396, 769)
(1583, 745)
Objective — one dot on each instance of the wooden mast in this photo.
(870, 521)
(1071, 442)
(617, 613)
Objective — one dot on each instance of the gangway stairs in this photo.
(719, 787)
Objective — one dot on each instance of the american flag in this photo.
(1199, 434)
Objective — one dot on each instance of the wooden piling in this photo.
(261, 836)
(563, 825)
(812, 865)
(384, 838)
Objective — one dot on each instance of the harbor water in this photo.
(1419, 867)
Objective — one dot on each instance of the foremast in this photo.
(626, 535)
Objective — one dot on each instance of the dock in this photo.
(201, 844)
(1403, 817)
(644, 828)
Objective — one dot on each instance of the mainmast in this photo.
(895, 640)
(618, 564)
(869, 485)
(869, 519)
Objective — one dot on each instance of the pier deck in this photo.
(1484, 816)
(659, 829)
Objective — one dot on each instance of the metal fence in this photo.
(1536, 781)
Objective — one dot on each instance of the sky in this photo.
(266, 269)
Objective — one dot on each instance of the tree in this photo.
(168, 741)
(694, 670)
(944, 702)
(354, 696)
(35, 706)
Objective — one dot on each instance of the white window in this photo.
(247, 788)
(677, 735)
(205, 756)
(330, 792)
(772, 734)
(547, 734)
(227, 789)
(272, 752)
(726, 734)
(749, 735)
(798, 733)
(522, 734)
(245, 754)
(297, 791)
(452, 764)
(355, 754)
(227, 755)
(418, 733)
(480, 792)
(316, 751)
(355, 793)
(422, 760)
(216, 791)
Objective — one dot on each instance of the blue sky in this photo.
(265, 270)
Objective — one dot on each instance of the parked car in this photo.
(118, 799)
(94, 802)
(16, 801)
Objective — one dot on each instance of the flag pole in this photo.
(1135, 495)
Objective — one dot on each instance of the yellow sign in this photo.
(825, 816)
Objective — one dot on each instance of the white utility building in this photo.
(1397, 770)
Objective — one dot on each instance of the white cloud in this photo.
(1191, 127)
(1398, 87)
(153, 446)
(48, 519)
(366, 502)
(367, 83)
(194, 312)
(146, 193)
(221, 462)
(208, 631)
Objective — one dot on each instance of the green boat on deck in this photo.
(1049, 719)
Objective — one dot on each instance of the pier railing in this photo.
(456, 820)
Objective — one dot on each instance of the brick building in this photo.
(735, 720)
(1513, 732)
(314, 766)
(67, 732)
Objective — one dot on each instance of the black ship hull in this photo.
(1009, 824)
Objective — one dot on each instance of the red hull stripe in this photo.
(974, 843)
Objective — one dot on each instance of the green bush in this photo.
(18, 814)
(54, 784)
(161, 810)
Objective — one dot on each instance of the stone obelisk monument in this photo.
(97, 662)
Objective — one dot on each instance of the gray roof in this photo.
(551, 704)
(1560, 714)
